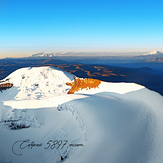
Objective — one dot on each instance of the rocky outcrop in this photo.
(6, 85)
(80, 84)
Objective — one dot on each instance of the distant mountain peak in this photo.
(47, 55)
(153, 53)
(42, 54)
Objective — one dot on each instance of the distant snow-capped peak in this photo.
(43, 55)
(153, 53)
(52, 54)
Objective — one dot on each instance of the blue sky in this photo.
(31, 26)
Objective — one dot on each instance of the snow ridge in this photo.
(76, 115)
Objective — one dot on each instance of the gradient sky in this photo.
(31, 26)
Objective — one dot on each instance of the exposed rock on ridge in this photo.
(80, 84)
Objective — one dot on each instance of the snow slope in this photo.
(117, 122)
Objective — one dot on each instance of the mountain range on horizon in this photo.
(154, 56)
(54, 54)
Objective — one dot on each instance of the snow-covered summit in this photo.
(39, 82)
(48, 85)
(154, 53)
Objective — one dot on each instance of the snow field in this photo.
(117, 122)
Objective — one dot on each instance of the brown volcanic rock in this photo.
(6, 85)
(80, 84)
